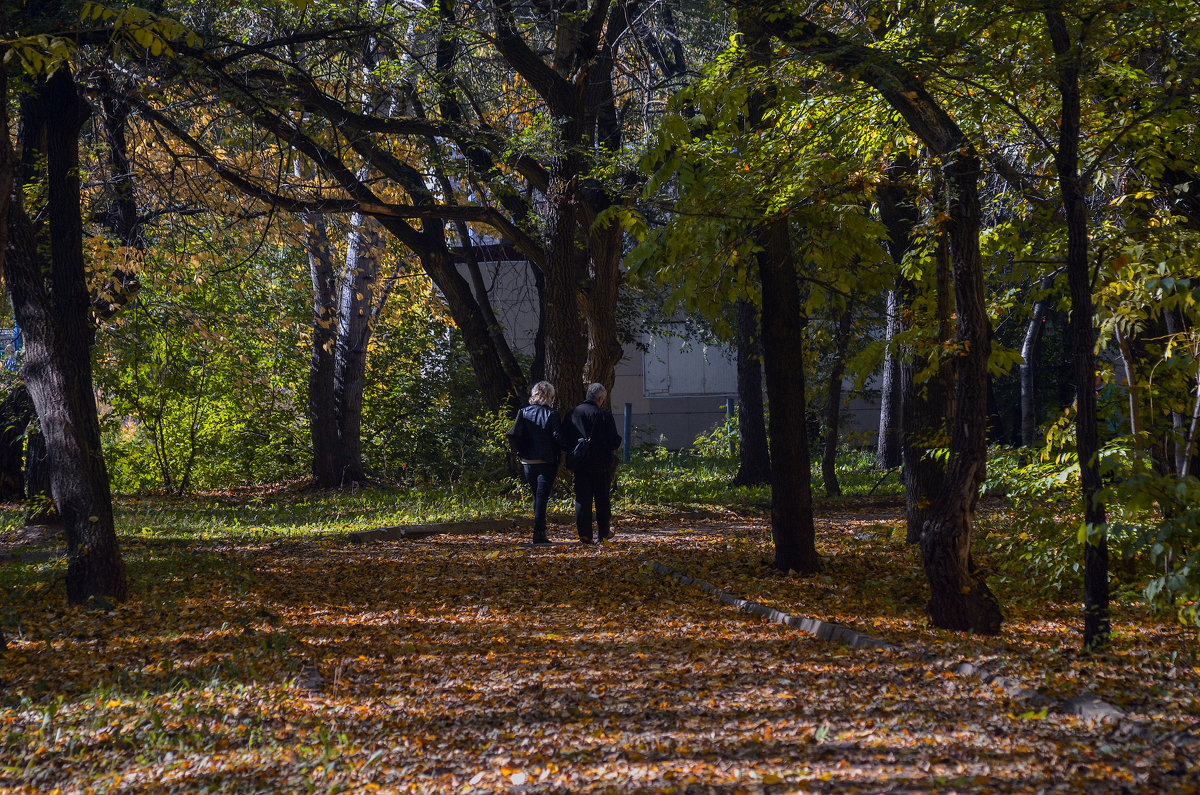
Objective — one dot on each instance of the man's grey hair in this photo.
(596, 392)
(542, 393)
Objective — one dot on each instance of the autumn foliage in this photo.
(264, 651)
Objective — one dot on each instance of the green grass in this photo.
(658, 482)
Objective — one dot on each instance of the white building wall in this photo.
(677, 390)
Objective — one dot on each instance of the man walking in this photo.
(589, 437)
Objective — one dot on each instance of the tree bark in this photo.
(923, 406)
(959, 597)
(783, 362)
(16, 410)
(833, 408)
(1031, 352)
(889, 448)
(783, 327)
(360, 282)
(1096, 621)
(55, 317)
(754, 457)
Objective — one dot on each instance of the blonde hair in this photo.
(542, 393)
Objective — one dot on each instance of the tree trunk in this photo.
(604, 352)
(924, 407)
(928, 407)
(1096, 623)
(322, 416)
(1031, 352)
(783, 361)
(754, 457)
(959, 597)
(889, 444)
(360, 281)
(833, 409)
(566, 342)
(783, 327)
(55, 317)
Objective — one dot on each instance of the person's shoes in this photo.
(583, 540)
(607, 534)
(541, 542)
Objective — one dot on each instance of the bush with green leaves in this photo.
(1153, 527)
(201, 379)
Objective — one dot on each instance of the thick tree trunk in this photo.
(566, 341)
(322, 415)
(889, 444)
(1096, 623)
(604, 352)
(55, 316)
(833, 409)
(783, 327)
(783, 361)
(959, 597)
(754, 457)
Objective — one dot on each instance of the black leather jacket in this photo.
(588, 419)
(540, 426)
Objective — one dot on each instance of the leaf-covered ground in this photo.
(481, 664)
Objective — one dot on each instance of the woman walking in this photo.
(533, 435)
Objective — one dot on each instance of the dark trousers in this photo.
(592, 486)
(540, 479)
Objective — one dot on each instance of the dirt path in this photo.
(478, 663)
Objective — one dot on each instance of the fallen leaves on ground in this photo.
(481, 664)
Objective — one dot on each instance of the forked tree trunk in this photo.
(55, 317)
(833, 409)
(360, 282)
(754, 457)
